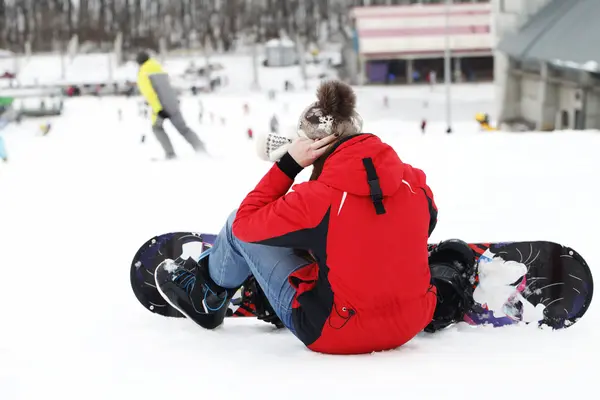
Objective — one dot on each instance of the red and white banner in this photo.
(420, 30)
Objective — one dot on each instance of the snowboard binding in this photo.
(452, 266)
(252, 293)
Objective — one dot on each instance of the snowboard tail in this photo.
(177, 246)
(533, 282)
(515, 282)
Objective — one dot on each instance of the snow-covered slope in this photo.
(77, 203)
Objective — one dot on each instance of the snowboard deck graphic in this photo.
(516, 282)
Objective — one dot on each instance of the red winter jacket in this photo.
(369, 288)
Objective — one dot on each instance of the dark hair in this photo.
(142, 57)
(320, 162)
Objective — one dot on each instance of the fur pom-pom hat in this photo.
(334, 113)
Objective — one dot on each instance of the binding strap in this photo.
(374, 187)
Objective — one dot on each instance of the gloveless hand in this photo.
(305, 151)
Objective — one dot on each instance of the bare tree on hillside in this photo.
(182, 23)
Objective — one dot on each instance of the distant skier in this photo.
(154, 85)
(432, 78)
(342, 259)
(45, 128)
(200, 111)
(274, 124)
(3, 152)
(142, 109)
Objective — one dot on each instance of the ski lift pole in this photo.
(255, 84)
(448, 69)
(302, 56)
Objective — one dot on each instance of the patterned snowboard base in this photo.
(516, 282)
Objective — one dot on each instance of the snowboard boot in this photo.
(452, 266)
(253, 294)
(188, 287)
(167, 157)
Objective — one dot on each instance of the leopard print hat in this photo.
(333, 113)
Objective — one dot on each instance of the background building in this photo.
(404, 43)
(547, 63)
(280, 53)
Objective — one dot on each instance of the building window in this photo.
(579, 122)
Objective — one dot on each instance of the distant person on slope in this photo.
(3, 153)
(154, 85)
(343, 258)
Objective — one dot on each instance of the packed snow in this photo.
(76, 205)
(496, 285)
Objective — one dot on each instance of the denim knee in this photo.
(231, 217)
(229, 224)
(224, 256)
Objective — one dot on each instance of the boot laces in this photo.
(184, 279)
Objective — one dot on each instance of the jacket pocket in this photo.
(341, 314)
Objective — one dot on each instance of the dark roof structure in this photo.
(564, 31)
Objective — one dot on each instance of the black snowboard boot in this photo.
(452, 265)
(188, 288)
(253, 294)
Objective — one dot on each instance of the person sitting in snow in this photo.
(342, 259)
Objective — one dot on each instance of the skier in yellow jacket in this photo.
(153, 83)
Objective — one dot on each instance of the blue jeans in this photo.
(232, 261)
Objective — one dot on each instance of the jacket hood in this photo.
(344, 169)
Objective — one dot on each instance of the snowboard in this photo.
(523, 282)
